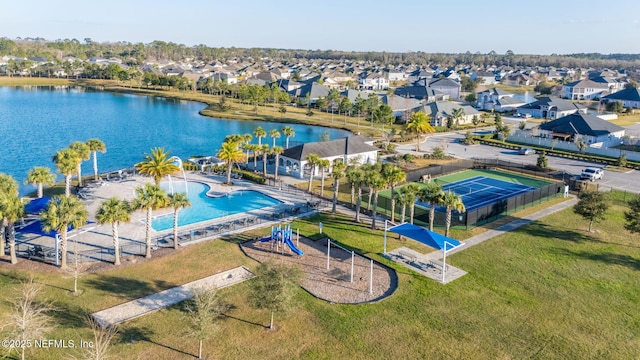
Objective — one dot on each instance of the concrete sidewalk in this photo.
(136, 308)
(489, 234)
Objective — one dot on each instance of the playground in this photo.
(332, 273)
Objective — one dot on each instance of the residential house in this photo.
(396, 75)
(289, 85)
(313, 90)
(589, 128)
(401, 106)
(446, 86)
(440, 111)
(421, 92)
(517, 79)
(630, 97)
(373, 81)
(584, 90)
(497, 100)
(486, 77)
(420, 74)
(348, 150)
(550, 107)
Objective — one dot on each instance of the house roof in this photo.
(588, 84)
(496, 91)
(351, 145)
(583, 124)
(417, 91)
(630, 94)
(444, 83)
(314, 90)
(508, 100)
(400, 103)
(554, 103)
(445, 109)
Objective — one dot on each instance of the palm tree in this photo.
(149, 198)
(8, 189)
(265, 152)
(277, 150)
(289, 133)
(337, 173)
(231, 154)
(431, 194)
(11, 209)
(419, 123)
(114, 211)
(66, 161)
(96, 145)
(312, 161)
(452, 202)
(157, 165)
(274, 134)
(411, 192)
(177, 201)
(356, 177)
(323, 164)
(457, 114)
(83, 152)
(401, 197)
(62, 212)
(259, 133)
(376, 183)
(40, 176)
(393, 175)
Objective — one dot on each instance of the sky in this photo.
(532, 27)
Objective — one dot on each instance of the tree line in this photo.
(137, 53)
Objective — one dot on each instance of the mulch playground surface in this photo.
(333, 285)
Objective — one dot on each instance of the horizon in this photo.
(356, 26)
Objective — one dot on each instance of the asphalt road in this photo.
(629, 181)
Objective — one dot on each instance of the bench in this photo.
(438, 264)
(407, 255)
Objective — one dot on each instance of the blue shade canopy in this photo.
(429, 238)
(35, 206)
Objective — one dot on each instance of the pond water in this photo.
(527, 96)
(35, 122)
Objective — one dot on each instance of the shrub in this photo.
(615, 106)
(256, 178)
(622, 160)
(408, 157)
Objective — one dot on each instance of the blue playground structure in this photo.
(280, 235)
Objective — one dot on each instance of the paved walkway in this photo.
(429, 264)
(136, 308)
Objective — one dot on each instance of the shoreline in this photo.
(207, 99)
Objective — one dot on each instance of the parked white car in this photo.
(592, 173)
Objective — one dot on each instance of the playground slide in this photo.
(293, 247)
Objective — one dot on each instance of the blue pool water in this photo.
(37, 121)
(206, 208)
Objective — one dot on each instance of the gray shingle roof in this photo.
(585, 124)
(631, 94)
(553, 103)
(351, 145)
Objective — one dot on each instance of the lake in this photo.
(35, 122)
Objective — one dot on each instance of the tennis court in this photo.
(481, 191)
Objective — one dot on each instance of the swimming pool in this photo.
(205, 208)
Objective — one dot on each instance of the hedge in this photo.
(561, 153)
(251, 176)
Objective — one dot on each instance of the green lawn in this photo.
(546, 291)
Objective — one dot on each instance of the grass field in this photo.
(548, 290)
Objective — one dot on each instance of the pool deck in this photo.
(98, 239)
